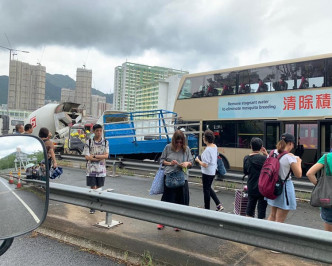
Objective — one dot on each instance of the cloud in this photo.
(9, 144)
(198, 35)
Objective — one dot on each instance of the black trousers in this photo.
(261, 203)
(179, 195)
(208, 191)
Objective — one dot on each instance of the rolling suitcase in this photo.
(241, 201)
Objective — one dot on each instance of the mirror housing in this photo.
(24, 185)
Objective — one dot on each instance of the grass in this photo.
(147, 259)
(125, 255)
(305, 196)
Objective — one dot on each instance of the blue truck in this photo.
(141, 134)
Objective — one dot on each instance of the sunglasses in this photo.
(179, 141)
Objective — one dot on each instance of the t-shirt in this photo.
(209, 156)
(285, 163)
(169, 155)
(98, 168)
(329, 162)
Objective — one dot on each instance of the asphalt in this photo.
(36, 250)
(135, 241)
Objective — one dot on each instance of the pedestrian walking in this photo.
(44, 135)
(208, 163)
(96, 152)
(325, 213)
(286, 201)
(177, 158)
(252, 166)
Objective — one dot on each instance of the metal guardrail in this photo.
(296, 240)
(303, 186)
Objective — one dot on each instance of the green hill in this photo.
(53, 86)
(62, 81)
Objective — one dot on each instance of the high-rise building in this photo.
(117, 88)
(26, 87)
(98, 105)
(83, 88)
(159, 94)
(68, 95)
(130, 76)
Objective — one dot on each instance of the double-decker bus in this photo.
(263, 101)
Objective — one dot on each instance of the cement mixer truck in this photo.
(58, 118)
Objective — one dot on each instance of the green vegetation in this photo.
(9, 160)
(147, 259)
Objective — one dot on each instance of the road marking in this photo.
(23, 203)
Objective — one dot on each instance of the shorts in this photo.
(93, 181)
(326, 215)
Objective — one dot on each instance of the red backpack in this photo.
(270, 184)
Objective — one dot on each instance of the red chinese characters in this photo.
(306, 102)
(289, 103)
(323, 101)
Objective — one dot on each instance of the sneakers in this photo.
(160, 227)
(92, 211)
(176, 229)
(219, 208)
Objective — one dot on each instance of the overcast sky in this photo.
(190, 35)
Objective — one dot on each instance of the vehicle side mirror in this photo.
(24, 186)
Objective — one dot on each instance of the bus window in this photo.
(308, 135)
(289, 128)
(224, 132)
(260, 79)
(244, 82)
(232, 134)
(248, 130)
(192, 88)
(310, 74)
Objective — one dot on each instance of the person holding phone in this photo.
(176, 156)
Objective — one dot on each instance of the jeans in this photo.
(208, 191)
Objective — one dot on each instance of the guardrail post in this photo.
(108, 223)
(114, 170)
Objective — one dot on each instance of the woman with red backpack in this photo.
(286, 201)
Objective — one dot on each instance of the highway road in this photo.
(21, 209)
(35, 250)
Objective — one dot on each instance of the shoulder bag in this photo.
(322, 192)
(175, 178)
(157, 186)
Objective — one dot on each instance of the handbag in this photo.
(322, 192)
(157, 186)
(221, 170)
(175, 178)
(55, 172)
